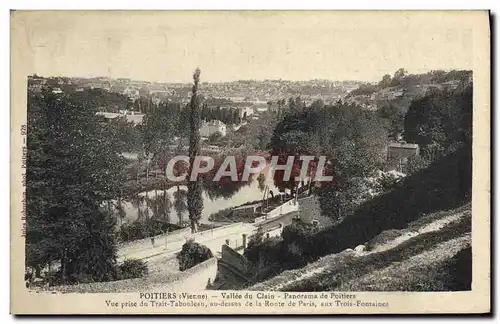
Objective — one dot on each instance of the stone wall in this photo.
(233, 270)
(196, 278)
(274, 232)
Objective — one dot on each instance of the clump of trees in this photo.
(256, 134)
(402, 79)
(74, 168)
(352, 139)
(193, 253)
(440, 123)
(103, 100)
(229, 116)
(364, 90)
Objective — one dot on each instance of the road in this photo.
(213, 239)
(285, 220)
(167, 246)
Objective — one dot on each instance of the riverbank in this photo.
(255, 210)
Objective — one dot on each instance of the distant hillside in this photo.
(402, 80)
(401, 89)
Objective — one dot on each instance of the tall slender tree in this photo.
(194, 195)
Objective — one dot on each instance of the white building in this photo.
(130, 116)
(211, 127)
(245, 111)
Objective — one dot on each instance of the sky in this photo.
(228, 46)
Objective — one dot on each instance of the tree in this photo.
(262, 181)
(182, 128)
(74, 169)
(160, 205)
(394, 116)
(194, 196)
(385, 82)
(440, 122)
(400, 73)
(215, 137)
(294, 136)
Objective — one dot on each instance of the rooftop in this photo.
(403, 145)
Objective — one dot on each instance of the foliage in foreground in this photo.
(132, 268)
(74, 168)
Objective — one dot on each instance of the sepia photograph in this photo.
(256, 161)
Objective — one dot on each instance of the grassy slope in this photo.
(444, 185)
(420, 262)
(427, 271)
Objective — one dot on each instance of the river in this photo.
(246, 193)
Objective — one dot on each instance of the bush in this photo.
(223, 215)
(302, 238)
(132, 268)
(192, 254)
(265, 250)
(415, 163)
(253, 248)
(267, 256)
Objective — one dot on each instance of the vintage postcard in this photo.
(250, 162)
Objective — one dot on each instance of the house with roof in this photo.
(244, 112)
(130, 116)
(398, 155)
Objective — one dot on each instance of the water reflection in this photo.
(171, 204)
(180, 203)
